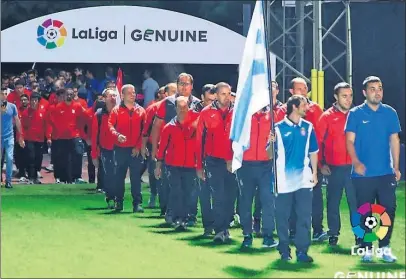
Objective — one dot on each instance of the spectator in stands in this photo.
(149, 87)
(93, 86)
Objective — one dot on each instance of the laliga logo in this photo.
(363, 221)
(51, 34)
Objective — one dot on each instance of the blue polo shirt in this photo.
(372, 137)
(294, 143)
(7, 116)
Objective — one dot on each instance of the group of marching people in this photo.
(186, 142)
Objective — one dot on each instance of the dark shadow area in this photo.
(379, 267)
(171, 232)
(150, 217)
(95, 208)
(158, 226)
(249, 251)
(337, 250)
(292, 265)
(200, 241)
(116, 213)
(241, 272)
(196, 238)
(89, 189)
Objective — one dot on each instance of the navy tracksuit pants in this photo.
(253, 177)
(317, 210)
(107, 171)
(125, 161)
(223, 185)
(339, 180)
(301, 201)
(205, 197)
(182, 181)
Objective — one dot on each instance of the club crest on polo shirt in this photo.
(73, 111)
(303, 131)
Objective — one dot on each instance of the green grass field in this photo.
(65, 231)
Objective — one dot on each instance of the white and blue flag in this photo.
(253, 86)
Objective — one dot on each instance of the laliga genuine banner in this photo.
(121, 34)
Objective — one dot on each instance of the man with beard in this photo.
(33, 121)
(295, 143)
(102, 153)
(214, 156)
(65, 119)
(334, 161)
(373, 145)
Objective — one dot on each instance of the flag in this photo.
(253, 86)
(119, 85)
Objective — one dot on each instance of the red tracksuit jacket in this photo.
(150, 114)
(65, 120)
(260, 130)
(34, 124)
(177, 145)
(128, 123)
(212, 135)
(331, 138)
(106, 139)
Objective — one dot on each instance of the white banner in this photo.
(121, 34)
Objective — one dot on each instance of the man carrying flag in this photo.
(252, 111)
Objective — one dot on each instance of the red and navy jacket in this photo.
(34, 123)
(312, 115)
(129, 123)
(331, 138)
(65, 120)
(167, 109)
(177, 145)
(150, 114)
(100, 135)
(260, 130)
(212, 135)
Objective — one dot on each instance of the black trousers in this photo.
(91, 169)
(20, 159)
(34, 157)
(56, 159)
(70, 154)
(379, 189)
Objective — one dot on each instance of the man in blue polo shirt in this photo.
(8, 115)
(296, 148)
(373, 145)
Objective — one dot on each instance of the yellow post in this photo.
(320, 88)
(314, 85)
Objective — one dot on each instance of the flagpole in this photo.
(266, 13)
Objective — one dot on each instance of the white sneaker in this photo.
(57, 181)
(39, 175)
(368, 257)
(23, 180)
(387, 255)
(30, 181)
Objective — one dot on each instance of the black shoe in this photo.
(286, 257)
(37, 181)
(247, 242)
(138, 209)
(8, 185)
(304, 258)
(110, 203)
(320, 236)
(208, 233)
(162, 214)
(118, 206)
(333, 240)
